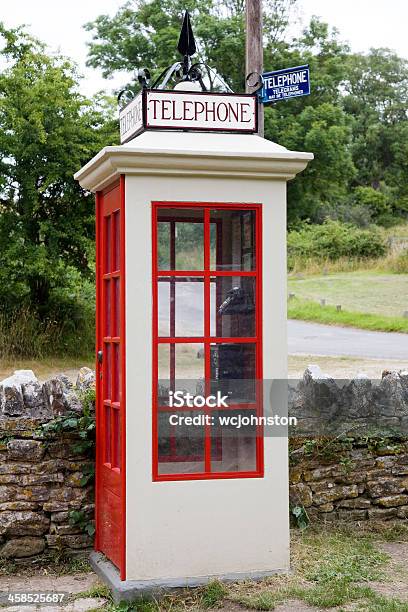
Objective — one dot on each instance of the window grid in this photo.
(206, 274)
(111, 339)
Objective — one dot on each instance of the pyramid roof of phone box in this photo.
(193, 154)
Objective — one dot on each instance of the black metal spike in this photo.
(186, 44)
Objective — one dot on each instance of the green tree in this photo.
(48, 131)
(325, 130)
(377, 98)
(354, 121)
(145, 34)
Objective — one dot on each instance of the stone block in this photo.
(7, 493)
(326, 508)
(386, 462)
(354, 504)
(68, 494)
(392, 500)
(64, 529)
(25, 480)
(12, 392)
(32, 494)
(25, 450)
(300, 494)
(60, 450)
(85, 379)
(381, 513)
(23, 523)
(377, 473)
(404, 483)
(361, 488)
(33, 398)
(71, 541)
(352, 515)
(60, 517)
(402, 512)
(74, 479)
(334, 493)
(383, 487)
(55, 506)
(295, 474)
(319, 473)
(17, 548)
(60, 396)
(75, 466)
(346, 477)
(11, 400)
(18, 505)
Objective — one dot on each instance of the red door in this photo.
(110, 415)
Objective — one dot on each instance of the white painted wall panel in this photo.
(196, 528)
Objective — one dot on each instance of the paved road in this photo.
(315, 339)
(304, 338)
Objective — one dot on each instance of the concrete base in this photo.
(131, 590)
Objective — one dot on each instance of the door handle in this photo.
(100, 357)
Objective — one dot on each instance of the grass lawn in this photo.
(369, 300)
(307, 310)
(364, 292)
(333, 567)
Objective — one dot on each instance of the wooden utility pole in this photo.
(254, 49)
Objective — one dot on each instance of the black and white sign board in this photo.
(184, 110)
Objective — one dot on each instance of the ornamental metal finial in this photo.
(186, 44)
(181, 75)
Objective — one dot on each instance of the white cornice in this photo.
(198, 155)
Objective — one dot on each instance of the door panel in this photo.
(110, 477)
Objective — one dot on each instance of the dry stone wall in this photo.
(41, 474)
(347, 474)
(355, 465)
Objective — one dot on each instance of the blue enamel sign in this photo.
(284, 84)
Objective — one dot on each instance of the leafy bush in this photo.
(66, 328)
(373, 199)
(23, 335)
(376, 203)
(333, 240)
(399, 263)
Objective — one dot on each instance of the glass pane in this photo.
(215, 237)
(107, 245)
(116, 438)
(107, 371)
(181, 443)
(234, 240)
(233, 372)
(116, 304)
(233, 306)
(181, 306)
(181, 368)
(107, 305)
(189, 246)
(163, 245)
(181, 239)
(107, 419)
(234, 441)
(115, 373)
(116, 241)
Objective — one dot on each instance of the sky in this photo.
(363, 23)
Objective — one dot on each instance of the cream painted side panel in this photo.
(197, 528)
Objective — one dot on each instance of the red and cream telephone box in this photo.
(191, 303)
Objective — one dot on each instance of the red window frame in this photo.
(207, 274)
